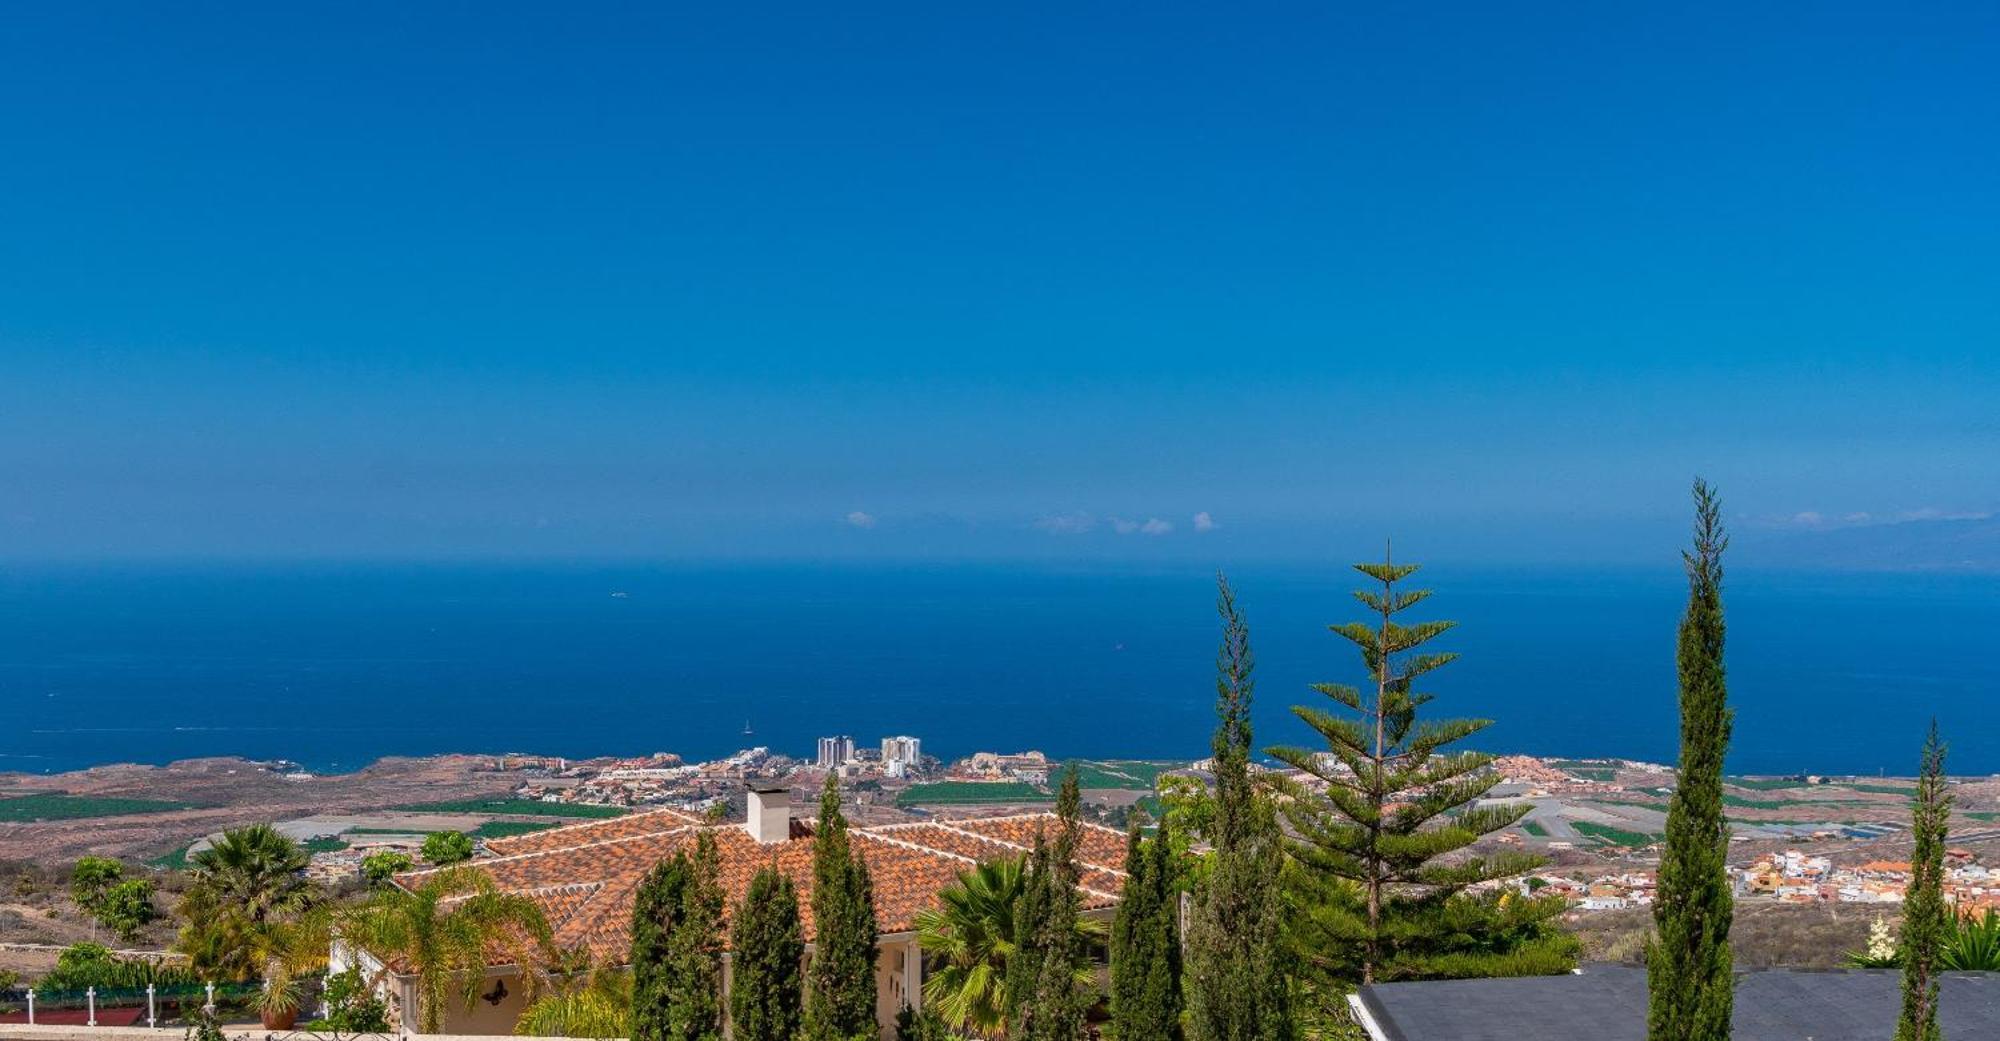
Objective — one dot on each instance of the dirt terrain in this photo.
(225, 793)
(37, 916)
(1817, 936)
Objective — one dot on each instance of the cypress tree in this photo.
(677, 949)
(1381, 870)
(1145, 953)
(767, 946)
(840, 979)
(1053, 1006)
(655, 907)
(1926, 919)
(1031, 917)
(1688, 962)
(1235, 966)
(685, 993)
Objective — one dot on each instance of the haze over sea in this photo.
(334, 666)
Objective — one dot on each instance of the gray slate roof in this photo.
(1608, 1003)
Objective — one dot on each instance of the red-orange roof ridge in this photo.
(951, 826)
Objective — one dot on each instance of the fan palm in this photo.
(588, 1000)
(216, 941)
(255, 872)
(445, 932)
(970, 934)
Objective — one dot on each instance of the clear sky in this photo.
(701, 281)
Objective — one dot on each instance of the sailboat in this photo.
(746, 728)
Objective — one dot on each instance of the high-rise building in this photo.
(834, 751)
(906, 750)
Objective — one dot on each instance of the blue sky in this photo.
(916, 281)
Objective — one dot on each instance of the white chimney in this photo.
(770, 817)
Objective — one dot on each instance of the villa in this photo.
(585, 876)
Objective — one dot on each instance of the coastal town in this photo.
(1800, 840)
(1599, 820)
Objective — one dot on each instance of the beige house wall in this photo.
(488, 1016)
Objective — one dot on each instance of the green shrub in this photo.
(85, 965)
(351, 1007)
(91, 879)
(378, 867)
(447, 847)
(127, 907)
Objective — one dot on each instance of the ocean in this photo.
(334, 666)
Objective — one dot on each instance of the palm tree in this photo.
(588, 1000)
(216, 941)
(971, 935)
(443, 932)
(255, 872)
(287, 951)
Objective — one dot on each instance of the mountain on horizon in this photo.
(1968, 545)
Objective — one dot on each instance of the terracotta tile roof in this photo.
(585, 877)
(647, 823)
(983, 839)
(1099, 845)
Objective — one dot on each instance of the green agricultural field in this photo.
(74, 807)
(1763, 784)
(324, 844)
(509, 829)
(1740, 802)
(962, 793)
(1637, 803)
(1128, 774)
(1819, 823)
(488, 830)
(1881, 789)
(517, 807)
(175, 861)
(1534, 827)
(1611, 836)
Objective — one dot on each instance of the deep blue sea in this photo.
(334, 666)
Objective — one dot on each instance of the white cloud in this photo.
(1067, 523)
(861, 520)
(1155, 526)
(1204, 522)
(1933, 513)
(1123, 526)
(1808, 518)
